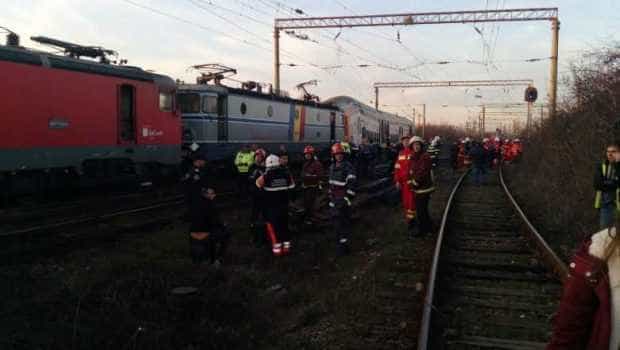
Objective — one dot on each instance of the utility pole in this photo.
(423, 119)
(483, 121)
(377, 98)
(528, 122)
(276, 59)
(553, 78)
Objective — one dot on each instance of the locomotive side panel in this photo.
(252, 119)
(317, 125)
(58, 118)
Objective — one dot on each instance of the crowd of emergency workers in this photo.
(589, 313)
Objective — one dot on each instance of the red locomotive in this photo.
(68, 121)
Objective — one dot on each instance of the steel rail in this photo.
(94, 218)
(430, 289)
(378, 187)
(551, 259)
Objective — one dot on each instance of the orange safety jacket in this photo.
(401, 167)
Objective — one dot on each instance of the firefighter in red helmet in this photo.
(342, 181)
(401, 178)
(311, 173)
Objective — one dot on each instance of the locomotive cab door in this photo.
(126, 95)
(222, 118)
(214, 106)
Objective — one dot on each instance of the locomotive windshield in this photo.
(189, 103)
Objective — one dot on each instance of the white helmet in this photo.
(486, 139)
(467, 139)
(497, 139)
(416, 139)
(517, 140)
(272, 161)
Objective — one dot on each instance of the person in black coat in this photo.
(479, 159)
(208, 235)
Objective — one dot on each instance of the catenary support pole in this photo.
(553, 77)
(276, 60)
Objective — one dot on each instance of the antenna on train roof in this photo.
(213, 71)
(307, 95)
(76, 50)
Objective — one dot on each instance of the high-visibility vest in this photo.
(243, 160)
(346, 146)
(599, 194)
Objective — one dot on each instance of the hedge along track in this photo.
(494, 282)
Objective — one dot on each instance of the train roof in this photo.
(45, 59)
(227, 89)
(347, 102)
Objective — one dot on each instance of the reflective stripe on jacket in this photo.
(401, 167)
(420, 173)
(342, 182)
(243, 160)
(311, 173)
(598, 199)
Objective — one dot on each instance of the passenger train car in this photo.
(220, 119)
(366, 122)
(77, 122)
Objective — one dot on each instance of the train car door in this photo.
(347, 131)
(214, 106)
(332, 127)
(222, 118)
(126, 114)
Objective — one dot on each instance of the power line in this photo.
(210, 3)
(198, 25)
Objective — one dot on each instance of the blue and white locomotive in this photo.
(220, 119)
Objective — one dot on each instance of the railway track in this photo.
(494, 283)
(67, 232)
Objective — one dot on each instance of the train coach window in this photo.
(189, 103)
(209, 104)
(243, 108)
(165, 102)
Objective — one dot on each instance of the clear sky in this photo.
(168, 36)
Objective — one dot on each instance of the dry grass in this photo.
(555, 179)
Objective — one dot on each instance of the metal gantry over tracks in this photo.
(444, 17)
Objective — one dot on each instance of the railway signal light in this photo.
(531, 94)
